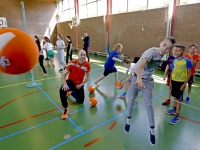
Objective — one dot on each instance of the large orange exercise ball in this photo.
(18, 51)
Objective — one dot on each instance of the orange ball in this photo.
(18, 51)
(91, 89)
(93, 101)
(118, 84)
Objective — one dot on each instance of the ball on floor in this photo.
(93, 101)
(91, 89)
(18, 51)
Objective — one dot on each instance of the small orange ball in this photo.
(118, 84)
(91, 89)
(18, 51)
(93, 101)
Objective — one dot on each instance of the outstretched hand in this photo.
(140, 83)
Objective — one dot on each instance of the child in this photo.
(181, 72)
(86, 38)
(76, 71)
(194, 58)
(60, 45)
(69, 49)
(41, 57)
(168, 71)
(129, 66)
(142, 81)
(110, 63)
(49, 48)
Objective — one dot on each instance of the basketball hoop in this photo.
(74, 22)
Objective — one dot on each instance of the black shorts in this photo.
(107, 72)
(176, 92)
(192, 79)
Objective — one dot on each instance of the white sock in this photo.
(152, 131)
(128, 121)
(188, 95)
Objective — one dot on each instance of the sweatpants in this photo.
(41, 58)
(147, 95)
(78, 94)
(60, 54)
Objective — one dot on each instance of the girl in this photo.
(49, 48)
(60, 45)
(69, 49)
(110, 63)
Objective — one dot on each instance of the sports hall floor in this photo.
(30, 118)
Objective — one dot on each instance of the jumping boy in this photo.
(142, 81)
(109, 66)
(76, 71)
(181, 73)
(194, 58)
(168, 71)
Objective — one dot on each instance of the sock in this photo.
(128, 121)
(188, 95)
(174, 108)
(124, 94)
(177, 114)
(65, 110)
(152, 130)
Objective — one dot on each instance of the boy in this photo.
(109, 66)
(77, 69)
(194, 58)
(129, 66)
(86, 38)
(181, 72)
(142, 81)
(169, 70)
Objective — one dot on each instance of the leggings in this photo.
(86, 49)
(61, 58)
(78, 94)
(68, 55)
(147, 95)
(41, 58)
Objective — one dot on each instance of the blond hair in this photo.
(117, 46)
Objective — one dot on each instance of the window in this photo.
(157, 3)
(101, 7)
(66, 15)
(82, 2)
(134, 5)
(119, 6)
(82, 12)
(92, 9)
(71, 4)
(184, 2)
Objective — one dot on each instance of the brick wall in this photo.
(38, 15)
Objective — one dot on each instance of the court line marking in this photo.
(38, 80)
(91, 142)
(101, 124)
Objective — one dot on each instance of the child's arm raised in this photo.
(139, 73)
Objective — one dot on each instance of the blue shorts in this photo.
(107, 72)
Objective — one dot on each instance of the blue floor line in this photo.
(10, 135)
(101, 124)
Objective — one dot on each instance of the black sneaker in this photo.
(152, 139)
(47, 58)
(127, 128)
(61, 70)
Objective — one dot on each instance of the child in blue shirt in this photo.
(110, 63)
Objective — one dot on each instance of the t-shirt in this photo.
(68, 45)
(130, 67)
(86, 41)
(77, 71)
(169, 63)
(39, 47)
(195, 57)
(48, 46)
(60, 43)
(180, 67)
(153, 61)
(109, 64)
